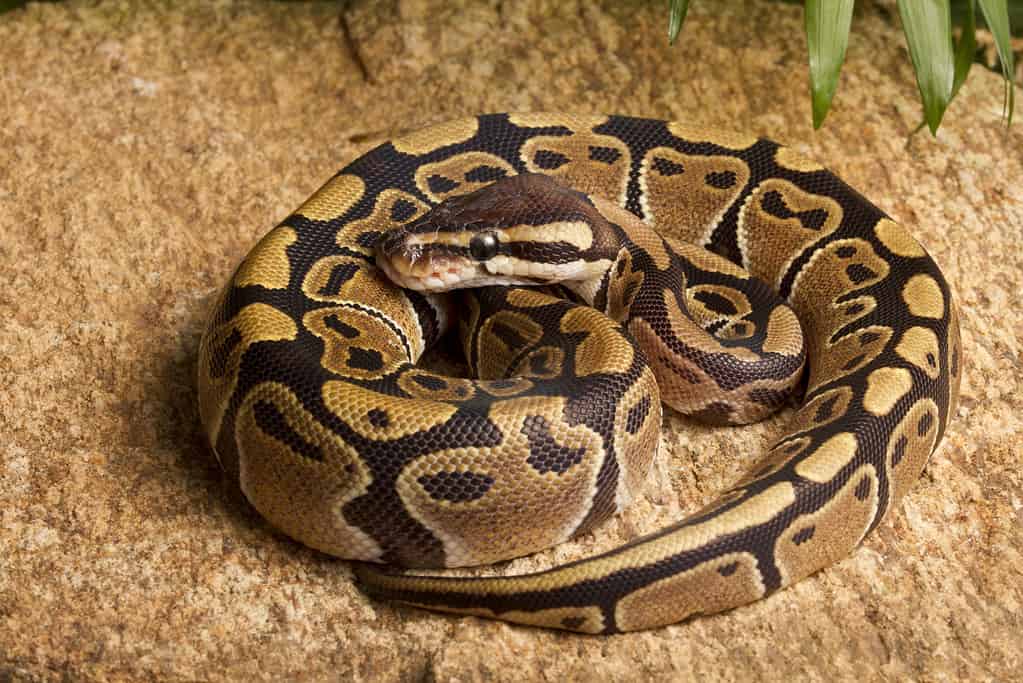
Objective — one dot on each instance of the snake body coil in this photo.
(310, 393)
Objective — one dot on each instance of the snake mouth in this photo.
(411, 264)
(428, 274)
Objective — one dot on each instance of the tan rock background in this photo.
(144, 146)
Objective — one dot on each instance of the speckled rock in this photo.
(145, 146)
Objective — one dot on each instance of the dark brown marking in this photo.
(339, 275)
(666, 167)
(538, 363)
(768, 397)
(721, 180)
(774, 204)
(378, 417)
(637, 415)
(607, 155)
(545, 454)
(456, 487)
(899, 451)
(508, 334)
(728, 569)
(438, 184)
(804, 535)
(863, 488)
(485, 174)
(430, 382)
(572, 623)
(868, 337)
(859, 273)
(853, 362)
(220, 354)
(337, 325)
(825, 409)
(272, 422)
(715, 302)
(925, 423)
(682, 371)
(365, 359)
(549, 160)
(402, 210)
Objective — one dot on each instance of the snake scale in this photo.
(311, 395)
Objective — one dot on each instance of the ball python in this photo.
(594, 305)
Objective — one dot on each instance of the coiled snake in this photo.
(310, 393)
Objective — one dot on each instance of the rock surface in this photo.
(145, 146)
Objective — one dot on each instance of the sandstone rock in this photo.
(145, 146)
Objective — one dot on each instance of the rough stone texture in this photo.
(145, 146)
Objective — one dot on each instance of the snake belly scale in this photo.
(310, 392)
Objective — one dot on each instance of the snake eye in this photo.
(483, 246)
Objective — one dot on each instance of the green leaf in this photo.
(996, 14)
(827, 35)
(928, 27)
(677, 14)
(966, 50)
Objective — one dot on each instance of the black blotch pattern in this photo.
(954, 365)
(485, 174)
(716, 413)
(549, 160)
(868, 337)
(899, 451)
(456, 487)
(924, 425)
(378, 417)
(629, 292)
(863, 488)
(607, 155)
(545, 455)
(337, 325)
(722, 180)
(739, 329)
(538, 363)
(637, 415)
(682, 371)
(430, 382)
(931, 360)
(825, 410)
(716, 302)
(438, 184)
(854, 309)
(220, 354)
(846, 251)
(666, 167)
(272, 422)
(572, 622)
(774, 204)
(368, 239)
(858, 273)
(804, 535)
(728, 569)
(365, 359)
(339, 275)
(402, 210)
(853, 362)
(768, 397)
(508, 334)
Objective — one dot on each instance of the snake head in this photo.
(522, 230)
